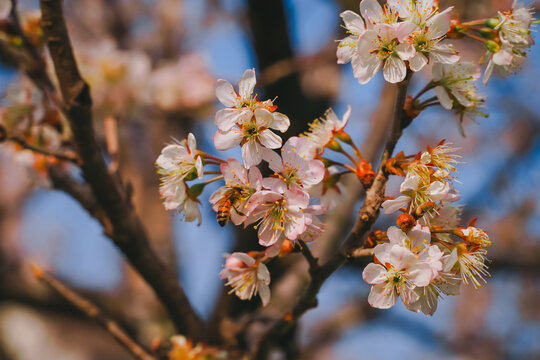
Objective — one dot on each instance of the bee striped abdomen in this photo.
(224, 212)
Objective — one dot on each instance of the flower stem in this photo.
(213, 179)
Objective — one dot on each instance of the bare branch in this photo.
(126, 229)
(95, 313)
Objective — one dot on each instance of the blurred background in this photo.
(152, 66)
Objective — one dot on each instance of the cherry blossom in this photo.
(456, 84)
(295, 167)
(278, 216)
(384, 46)
(180, 161)
(247, 277)
(323, 130)
(427, 44)
(396, 273)
(253, 135)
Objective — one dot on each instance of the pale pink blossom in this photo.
(241, 105)
(278, 216)
(247, 277)
(295, 167)
(397, 273)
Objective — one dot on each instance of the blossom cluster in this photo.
(284, 207)
(406, 35)
(428, 255)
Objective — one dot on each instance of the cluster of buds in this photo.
(284, 207)
(428, 254)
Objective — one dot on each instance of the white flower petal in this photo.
(444, 98)
(394, 70)
(224, 140)
(269, 139)
(247, 83)
(225, 93)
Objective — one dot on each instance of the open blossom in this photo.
(247, 121)
(426, 41)
(180, 161)
(278, 216)
(445, 283)
(470, 264)
(240, 184)
(241, 106)
(295, 167)
(322, 131)
(416, 192)
(514, 25)
(456, 84)
(247, 277)
(396, 273)
(253, 136)
(384, 46)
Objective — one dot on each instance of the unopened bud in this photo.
(492, 46)
(454, 32)
(406, 222)
(488, 33)
(286, 248)
(343, 136)
(334, 145)
(365, 173)
(492, 23)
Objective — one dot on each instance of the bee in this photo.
(227, 202)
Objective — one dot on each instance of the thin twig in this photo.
(63, 157)
(93, 312)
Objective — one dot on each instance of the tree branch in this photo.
(63, 157)
(367, 215)
(126, 229)
(95, 313)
